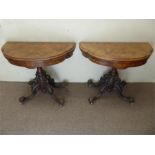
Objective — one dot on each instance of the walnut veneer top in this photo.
(118, 55)
(37, 54)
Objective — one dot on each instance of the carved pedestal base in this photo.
(108, 83)
(44, 83)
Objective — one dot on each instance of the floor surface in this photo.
(109, 115)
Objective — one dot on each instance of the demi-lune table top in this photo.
(37, 54)
(117, 54)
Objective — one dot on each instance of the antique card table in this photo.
(37, 55)
(117, 56)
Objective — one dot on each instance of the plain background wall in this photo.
(77, 68)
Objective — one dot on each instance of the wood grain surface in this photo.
(117, 54)
(37, 54)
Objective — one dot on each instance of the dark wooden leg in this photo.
(34, 89)
(44, 83)
(91, 100)
(24, 99)
(56, 99)
(119, 90)
(110, 82)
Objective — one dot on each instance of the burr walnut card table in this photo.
(117, 56)
(38, 55)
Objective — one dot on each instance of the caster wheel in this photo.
(22, 99)
(90, 83)
(90, 100)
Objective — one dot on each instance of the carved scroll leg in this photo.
(102, 90)
(125, 98)
(91, 100)
(55, 98)
(24, 99)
